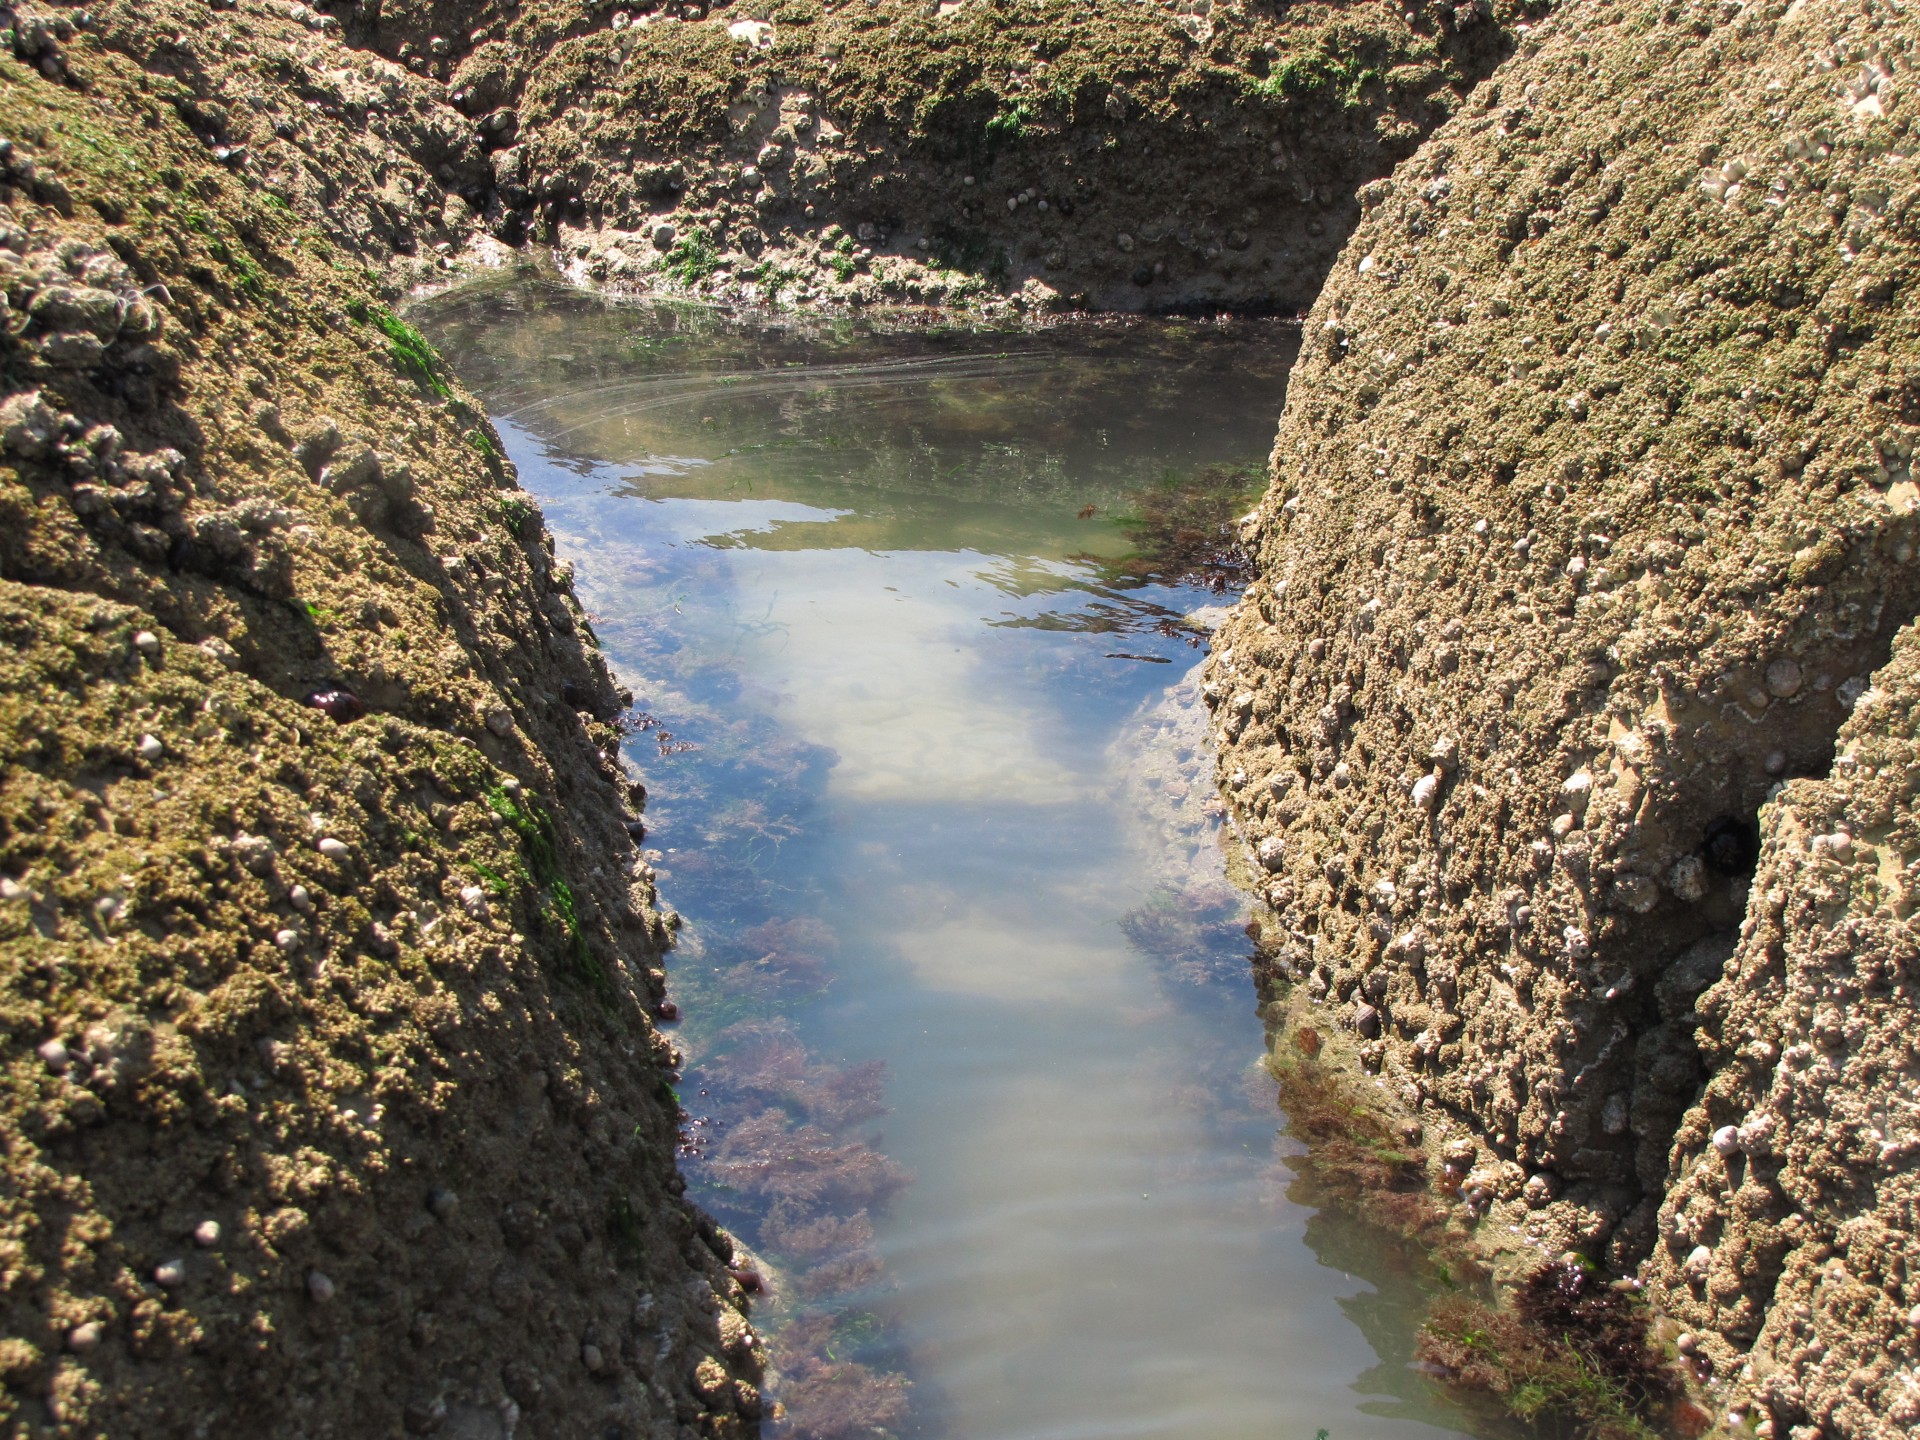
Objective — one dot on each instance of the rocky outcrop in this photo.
(1591, 526)
(331, 1101)
(1121, 154)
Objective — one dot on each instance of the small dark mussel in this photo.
(637, 830)
(337, 705)
(666, 1010)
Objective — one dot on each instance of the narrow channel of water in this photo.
(973, 1050)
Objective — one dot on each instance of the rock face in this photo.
(1591, 527)
(330, 1097)
(1123, 154)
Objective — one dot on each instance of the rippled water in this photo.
(973, 1048)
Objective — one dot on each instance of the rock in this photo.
(56, 1056)
(1726, 1141)
(500, 721)
(320, 1287)
(28, 426)
(220, 650)
(255, 852)
(1687, 879)
(333, 849)
(84, 1339)
(147, 643)
(151, 748)
(207, 1234)
(170, 1273)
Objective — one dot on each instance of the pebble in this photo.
(1776, 762)
(500, 721)
(333, 849)
(151, 748)
(1686, 1344)
(591, 1357)
(320, 1286)
(1272, 852)
(442, 1202)
(170, 1273)
(300, 899)
(147, 643)
(207, 1234)
(84, 1338)
(1726, 1140)
(286, 939)
(56, 1055)
(1783, 678)
(1913, 1317)
(1424, 791)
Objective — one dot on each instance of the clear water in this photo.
(973, 1047)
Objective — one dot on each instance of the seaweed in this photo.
(1184, 530)
(1568, 1351)
(1562, 1351)
(540, 870)
(409, 349)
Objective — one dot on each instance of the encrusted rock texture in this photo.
(331, 1098)
(1119, 154)
(1570, 725)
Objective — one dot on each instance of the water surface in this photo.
(973, 1047)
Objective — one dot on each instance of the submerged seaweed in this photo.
(1185, 529)
(1563, 1351)
(1567, 1352)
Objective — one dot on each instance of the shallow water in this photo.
(973, 1046)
